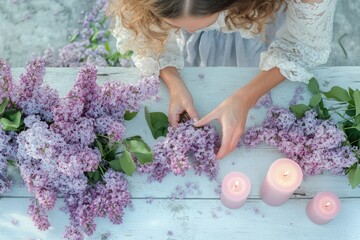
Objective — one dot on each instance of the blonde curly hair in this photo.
(145, 17)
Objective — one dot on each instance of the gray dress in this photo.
(215, 48)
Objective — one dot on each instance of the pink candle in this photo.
(283, 178)
(235, 189)
(323, 207)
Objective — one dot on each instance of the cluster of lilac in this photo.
(8, 144)
(315, 144)
(89, 45)
(172, 154)
(56, 148)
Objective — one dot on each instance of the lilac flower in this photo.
(32, 95)
(297, 96)
(117, 97)
(316, 145)
(38, 215)
(5, 183)
(73, 233)
(6, 82)
(109, 126)
(83, 50)
(172, 153)
(76, 159)
(105, 199)
(78, 132)
(39, 142)
(265, 101)
(68, 110)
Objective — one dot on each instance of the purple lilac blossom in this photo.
(106, 199)
(6, 82)
(56, 149)
(265, 101)
(173, 152)
(82, 51)
(32, 95)
(315, 144)
(297, 96)
(8, 149)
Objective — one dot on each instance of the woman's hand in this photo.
(180, 97)
(232, 114)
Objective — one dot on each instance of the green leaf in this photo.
(96, 177)
(115, 164)
(141, 150)
(73, 37)
(112, 150)
(357, 102)
(102, 20)
(107, 47)
(354, 176)
(314, 86)
(93, 37)
(100, 147)
(127, 163)
(3, 105)
(129, 115)
(158, 123)
(315, 100)
(351, 91)
(353, 135)
(11, 120)
(338, 94)
(299, 110)
(12, 163)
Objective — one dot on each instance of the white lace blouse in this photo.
(303, 42)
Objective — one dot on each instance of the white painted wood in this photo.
(192, 218)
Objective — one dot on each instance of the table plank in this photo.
(194, 220)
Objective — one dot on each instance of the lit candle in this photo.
(283, 178)
(235, 189)
(323, 207)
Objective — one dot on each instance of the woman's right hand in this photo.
(180, 97)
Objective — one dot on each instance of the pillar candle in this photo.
(323, 207)
(235, 189)
(283, 178)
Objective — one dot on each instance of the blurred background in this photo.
(73, 31)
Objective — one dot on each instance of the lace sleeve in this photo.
(304, 41)
(151, 63)
(172, 55)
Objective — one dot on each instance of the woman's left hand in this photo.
(232, 114)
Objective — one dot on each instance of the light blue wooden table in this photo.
(200, 215)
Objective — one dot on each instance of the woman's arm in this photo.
(232, 112)
(180, 97)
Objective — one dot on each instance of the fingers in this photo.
(174, 118)
(205, 120)
(225, 143)
(193, 114)
(231, 138)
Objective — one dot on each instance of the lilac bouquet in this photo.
(308, 135)
(72, 146)
(184, 147)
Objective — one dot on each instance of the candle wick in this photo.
(327, 204)
(236, 185)
(286, 173)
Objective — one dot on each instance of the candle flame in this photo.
(327, 204)
(286, 173)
